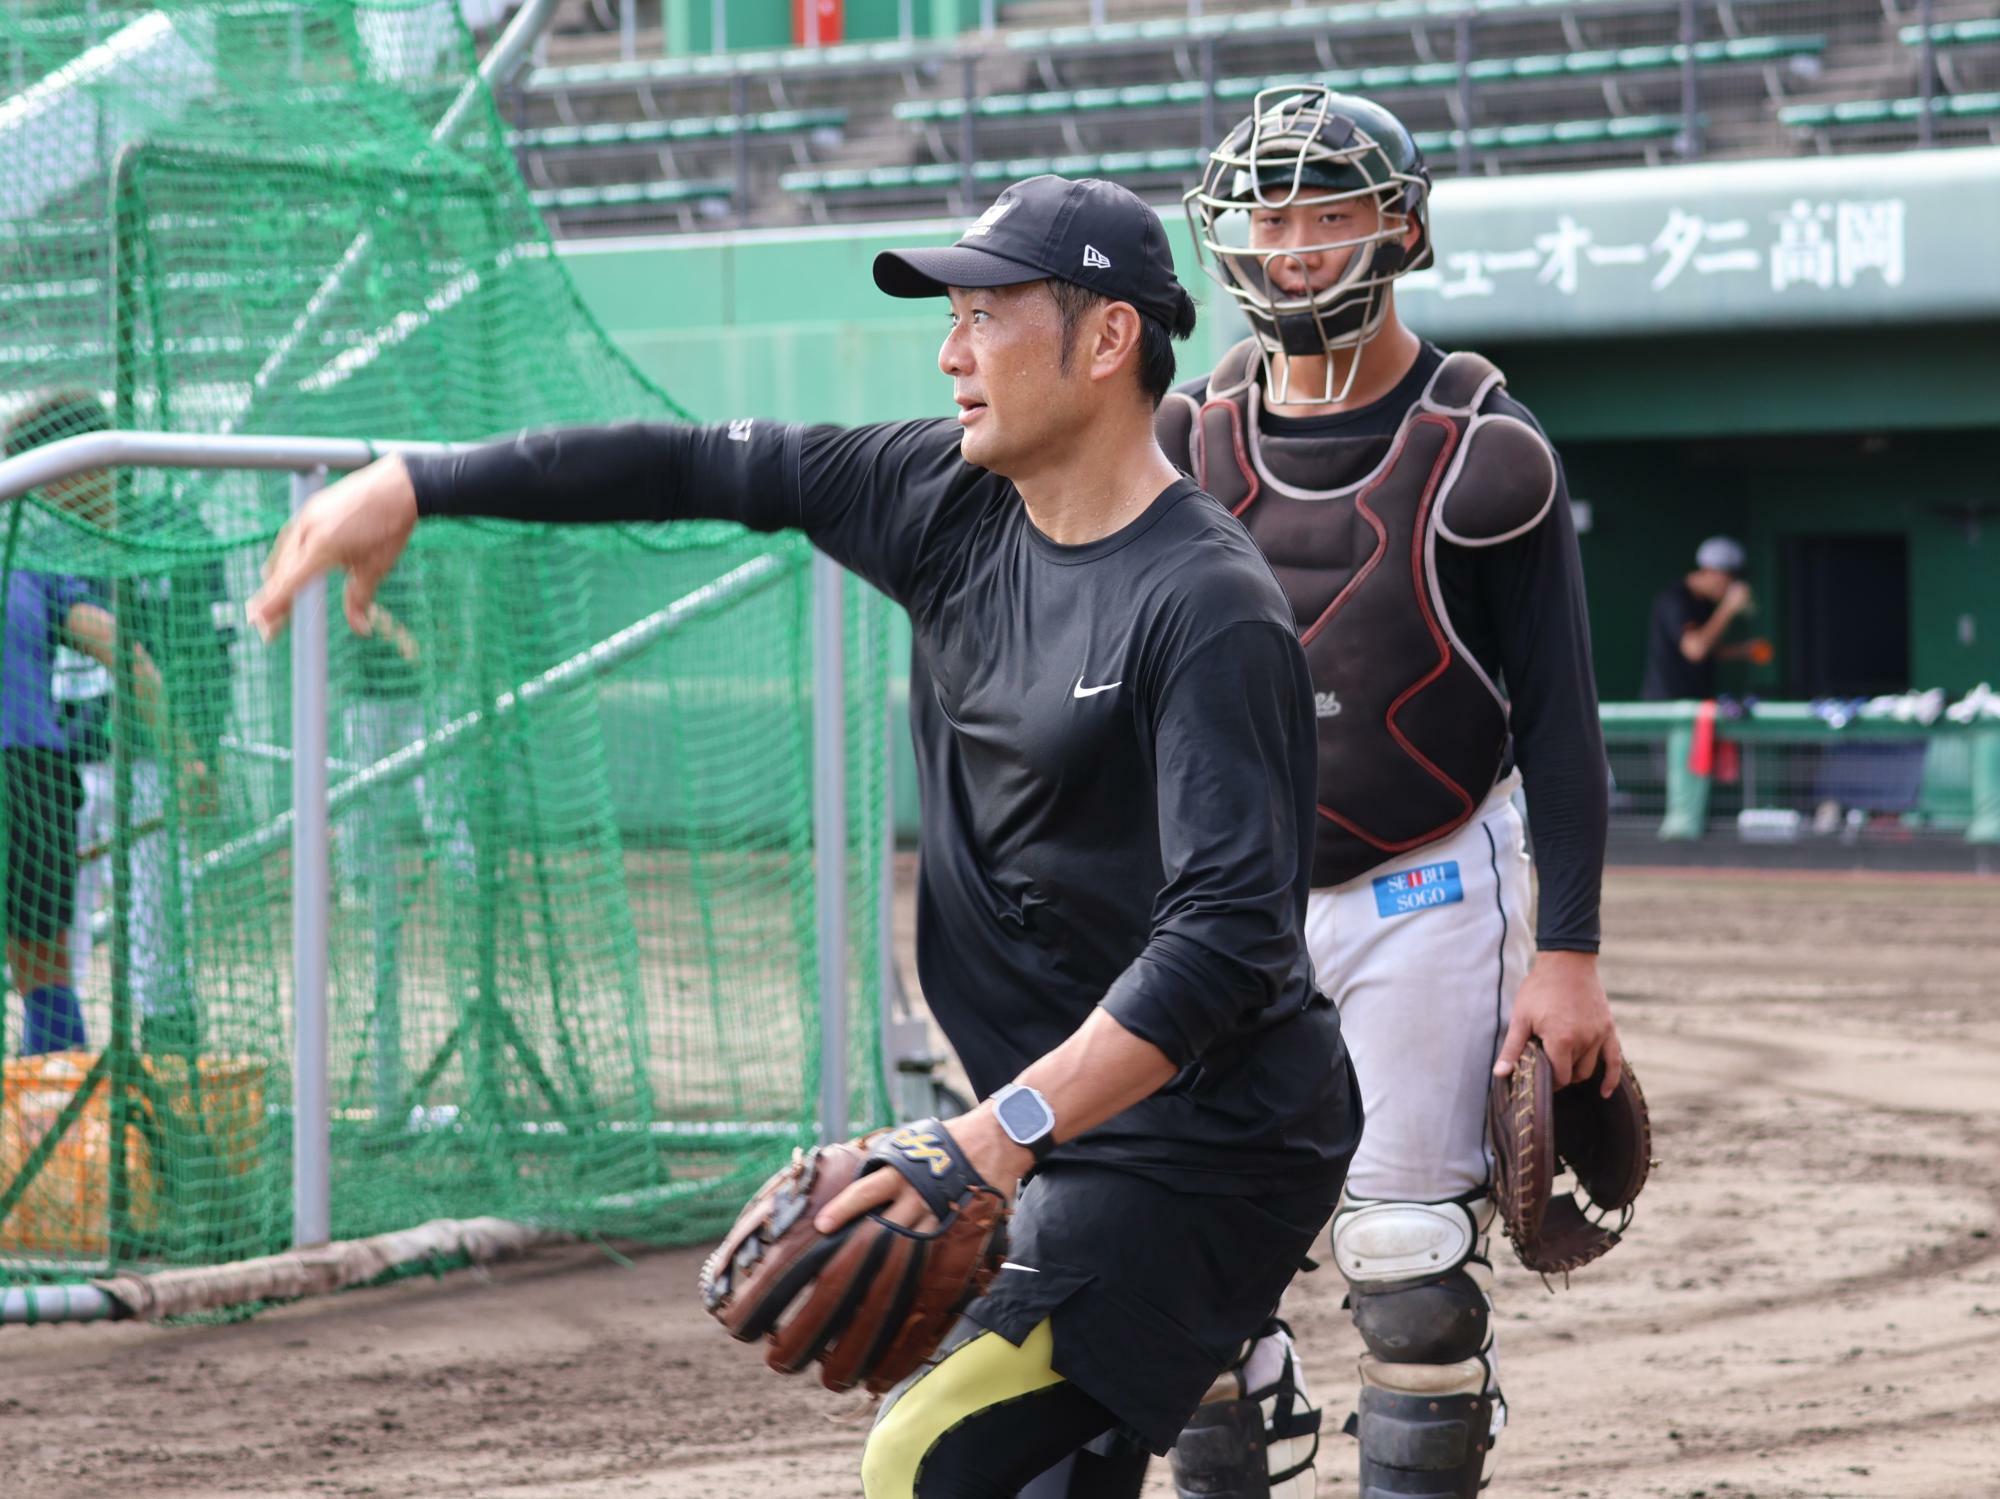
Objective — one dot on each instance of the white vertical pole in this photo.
(312, 1205)
(830, 841)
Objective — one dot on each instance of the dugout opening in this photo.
(1871, 559)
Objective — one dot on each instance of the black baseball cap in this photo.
(1096, 234)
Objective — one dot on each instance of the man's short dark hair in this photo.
(56, 414)
(1156, 340)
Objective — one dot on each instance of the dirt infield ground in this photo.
(1809, 1304)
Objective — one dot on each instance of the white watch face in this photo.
(1025, 1116)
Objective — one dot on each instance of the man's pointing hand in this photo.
(361, 523)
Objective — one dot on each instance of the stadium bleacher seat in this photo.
(944, 174)
(1889, 111)
(630, 194)
(1982, 32)
(1966, 54)
(1242, 24)
(666, 132)
(1376, 80)
(1280, 22)
(709, 67)
(1553, 134)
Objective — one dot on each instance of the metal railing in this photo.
(1911, 766)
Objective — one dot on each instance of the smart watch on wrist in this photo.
(1026, 1118)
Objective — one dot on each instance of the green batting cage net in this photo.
(572, 953)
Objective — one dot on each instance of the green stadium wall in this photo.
(1774, 350)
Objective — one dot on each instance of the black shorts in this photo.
(43, 794)
(1150, 1292)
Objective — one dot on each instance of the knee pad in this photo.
(1418, 1277)
(1420, 1286)
(1440, 1321)
(1256, 1436)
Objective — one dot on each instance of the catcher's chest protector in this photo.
(1411, 730)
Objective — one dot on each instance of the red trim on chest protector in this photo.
(1243, 464)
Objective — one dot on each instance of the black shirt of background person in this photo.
(1670, 676)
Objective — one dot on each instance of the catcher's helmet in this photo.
(1304, 144)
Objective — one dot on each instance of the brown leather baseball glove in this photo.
(871, 1300)
(1606, 1142)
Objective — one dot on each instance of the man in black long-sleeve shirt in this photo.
(1113, 723)
(1416, 517)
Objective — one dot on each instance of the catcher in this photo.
(1417, 518)
(1114, 734)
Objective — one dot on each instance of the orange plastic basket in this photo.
(66, 1209)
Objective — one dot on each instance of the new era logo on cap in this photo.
(1094, 258)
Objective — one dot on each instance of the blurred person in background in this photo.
(62, 652)
(1684, 634)
(428, 810)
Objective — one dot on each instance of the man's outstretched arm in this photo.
(868, 496)
(636, 472)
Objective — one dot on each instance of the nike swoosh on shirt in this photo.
(1083, 691)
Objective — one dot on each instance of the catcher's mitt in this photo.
(874, 1300)
(1606, 1142)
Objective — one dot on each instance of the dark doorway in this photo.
(1848, 615)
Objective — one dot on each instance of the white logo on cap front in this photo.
(991, 217)
(1095, 258)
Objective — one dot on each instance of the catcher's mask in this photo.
(1305, 146)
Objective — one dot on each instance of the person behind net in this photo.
(1417, 518)
(178, 635)
(47, 613)
(386, 712)
(1114, 735)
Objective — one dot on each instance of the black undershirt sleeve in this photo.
(1533, 593)
(638, 471)
(867, 496)
(1233, 737)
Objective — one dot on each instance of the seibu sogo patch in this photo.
(1410, 890)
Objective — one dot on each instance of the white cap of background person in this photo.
(1724, 554)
